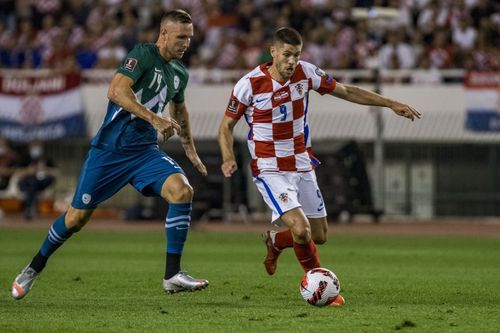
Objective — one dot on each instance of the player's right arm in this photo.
(120, 92)
(226, 141)
(238, 103)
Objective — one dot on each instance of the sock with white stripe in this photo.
(57, 235)
(176, 228)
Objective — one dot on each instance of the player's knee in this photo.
(320, 238)
(77, 219)
(181, 193)
(302, 234)
(187, 193)
(77, 223)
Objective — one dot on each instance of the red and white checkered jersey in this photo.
(276, 113)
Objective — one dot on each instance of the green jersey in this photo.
(156, 82)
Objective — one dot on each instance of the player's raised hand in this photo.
(228, 168)
(166, 126)
(406, 111)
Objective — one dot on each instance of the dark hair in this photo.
(177, 15)
(287, 35)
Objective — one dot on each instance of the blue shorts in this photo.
(104, 173)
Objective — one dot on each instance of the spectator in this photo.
(86, 55)
(396, 54)
(427, 20)
(61, 56)
(418, 45)
(246, 14)
(37, 175)
(74, 32)
(483, 9)
(313, 50)
(440, 52)
(99, 14)
(130, 35)
(336, 54)
(80, 11)
(25, 53)
(47, 34)
(484, 57)
(252, 44)
(8, 161)
(41, 8)
(464, 35)
(426, 74)
(111, 55)
(364, 49)
(6, 45)
(227, 54)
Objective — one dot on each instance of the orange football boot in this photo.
(271, 260)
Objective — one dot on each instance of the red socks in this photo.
(307, 255)
(283, 239)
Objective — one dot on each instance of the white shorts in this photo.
(287, 190)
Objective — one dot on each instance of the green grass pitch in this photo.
(110, 281)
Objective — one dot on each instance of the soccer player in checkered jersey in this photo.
(125, 151)
(273, 98)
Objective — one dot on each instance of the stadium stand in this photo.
(97, 34)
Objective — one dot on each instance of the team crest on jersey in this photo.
(130, 64)
(176, 82)
(233, 105)
(319, 71)
(300, 89)
(284, 197)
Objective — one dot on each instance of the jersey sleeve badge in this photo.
(130, 64)
(319, 71)
(233, 105)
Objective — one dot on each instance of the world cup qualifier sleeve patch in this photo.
(233, 105)
(130, 64)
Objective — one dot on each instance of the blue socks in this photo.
(177, 226)
(58, 234)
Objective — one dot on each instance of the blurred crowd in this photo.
(232, 34)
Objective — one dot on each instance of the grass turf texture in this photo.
(110, 281)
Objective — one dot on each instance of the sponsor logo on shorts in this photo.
(86, 198)
(284, 197)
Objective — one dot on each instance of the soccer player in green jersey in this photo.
(125, 151)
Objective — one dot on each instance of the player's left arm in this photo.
(361, 96)
(179, 112)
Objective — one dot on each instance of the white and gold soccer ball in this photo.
(320, 287)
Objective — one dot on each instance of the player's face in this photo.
(285, 59)
(175, 38)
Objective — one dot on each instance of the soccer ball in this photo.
(319, 287)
